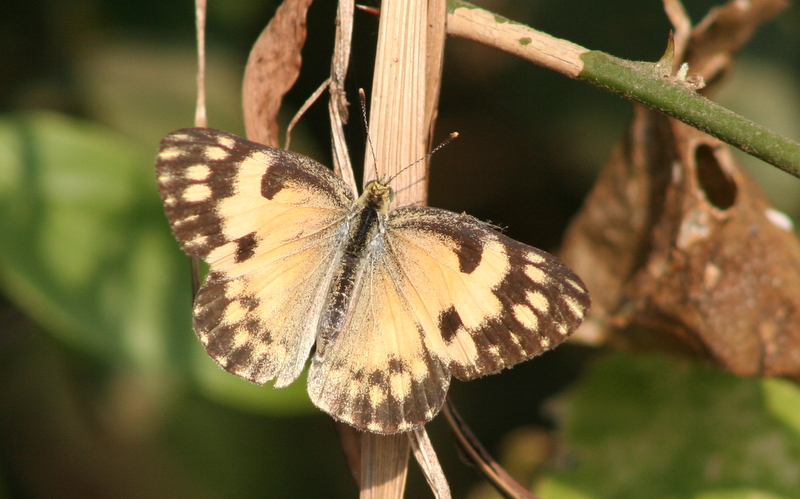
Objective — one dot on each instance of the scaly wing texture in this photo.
(442, 293)
(377, 374)
(485, 301)
(267, 222)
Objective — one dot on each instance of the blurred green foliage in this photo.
(104, 390)
(651, 427)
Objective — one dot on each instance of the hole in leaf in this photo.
(719, 189)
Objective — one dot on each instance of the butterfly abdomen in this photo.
(345, 282)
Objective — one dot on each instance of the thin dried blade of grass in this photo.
(480, 457)
(300, 112)
(426, 457)
(200, 116)
(272, 69)
(337, 105)
(437, 33)
(398, 101)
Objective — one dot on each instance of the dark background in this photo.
(76, 421)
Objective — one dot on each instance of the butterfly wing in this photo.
(484, 300)
(378, 374)
(267, 222)
(441, 293)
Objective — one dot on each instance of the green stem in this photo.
(641, 82)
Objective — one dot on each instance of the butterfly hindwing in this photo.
(266, 221)
(378, 374)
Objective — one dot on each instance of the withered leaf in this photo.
(679, 247)
(272, 68)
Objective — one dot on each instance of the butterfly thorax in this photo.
(366, 219)
(377, 196)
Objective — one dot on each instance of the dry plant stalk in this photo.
(403, 109)
(403, 106)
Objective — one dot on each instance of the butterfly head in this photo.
(377, 195)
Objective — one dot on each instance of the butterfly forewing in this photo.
(267, 222)
(485, 301)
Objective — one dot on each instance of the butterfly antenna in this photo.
(446, 141)
(362, 97)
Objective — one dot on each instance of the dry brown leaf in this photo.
(272, 69)
(723, 271)
(679, 247)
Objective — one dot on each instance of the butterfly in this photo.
(392, 302)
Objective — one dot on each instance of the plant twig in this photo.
(480, 457)
(638, 81)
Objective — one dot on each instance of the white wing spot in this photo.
(538, 301)
(198, 172)
(181, 136)
(535, 258)
(241, 338)
(400, 384)
(575, 286)
(170, 200)
(198, 241)
(196, 193)
(226, 142)
(189, 219)
(573, 305)
(235, 313)
(544, 342)
(215, 153)
(376, 396)
(170, 153)
(536, 274)
(261, 350)
(562, 328)
(525, 317)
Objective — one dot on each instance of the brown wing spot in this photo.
(245, 247)
(284, 171)
(397, 366)
(377, 378)
(449, 324)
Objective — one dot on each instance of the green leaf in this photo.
(649, 426)
(85, 250)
